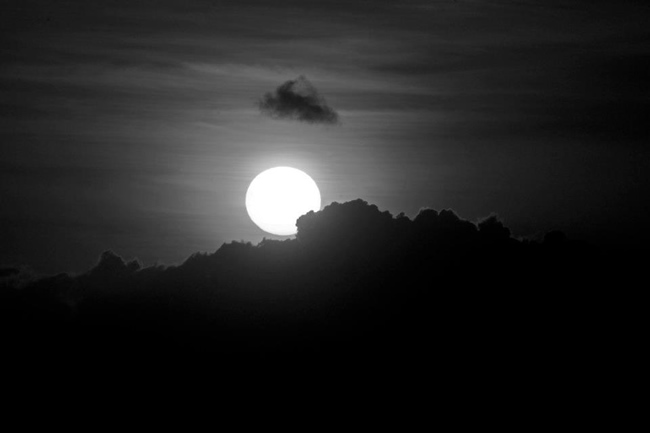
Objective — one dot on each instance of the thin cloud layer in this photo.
(298, 100)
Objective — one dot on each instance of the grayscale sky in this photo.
(135, 126)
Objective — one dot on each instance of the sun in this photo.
(277, 197)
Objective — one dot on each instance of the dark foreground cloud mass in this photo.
(298, 100)
(356, 284)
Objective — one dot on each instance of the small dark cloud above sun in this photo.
(298, 100)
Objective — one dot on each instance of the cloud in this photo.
(298, 100)
(355, 281)
(8, 271)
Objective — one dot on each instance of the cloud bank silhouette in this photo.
(354, 281)
(298, 100)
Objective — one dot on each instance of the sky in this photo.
(137, 126)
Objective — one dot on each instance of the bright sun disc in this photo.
(277, 197)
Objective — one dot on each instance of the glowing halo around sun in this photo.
(277, 197)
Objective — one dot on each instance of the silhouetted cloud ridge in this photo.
(354, 278)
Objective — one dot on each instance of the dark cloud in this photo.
(8, 271)
(298, 100)
(13, 277)
(357, 290)
(354, 281)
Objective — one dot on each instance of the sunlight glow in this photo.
(277, 197)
